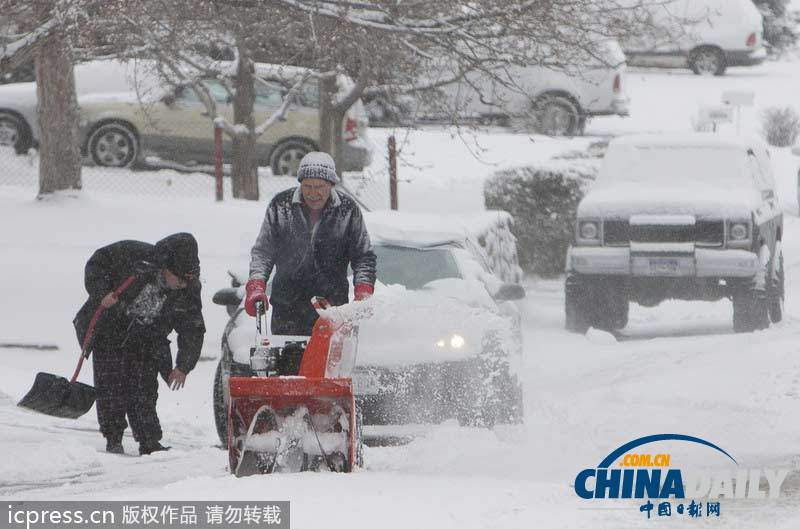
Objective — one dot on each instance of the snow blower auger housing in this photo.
(292, 418)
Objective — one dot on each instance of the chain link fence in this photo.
(159, 178)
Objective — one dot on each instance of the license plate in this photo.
(664, 266)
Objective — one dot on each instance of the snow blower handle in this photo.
(261, 313)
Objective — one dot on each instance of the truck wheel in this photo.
(577, 313)
(220, 410)
(601, 303)
(707, 61)
(750, 310)
(777, 292)
(557, 116)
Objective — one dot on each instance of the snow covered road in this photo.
(676, 368)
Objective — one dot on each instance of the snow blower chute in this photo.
(303, 420)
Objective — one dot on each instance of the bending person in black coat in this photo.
(130, 344)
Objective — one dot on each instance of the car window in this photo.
(414, 268)
(269, 94)
(217, 90)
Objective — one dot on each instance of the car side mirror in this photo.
(230, 296)
(509, 292)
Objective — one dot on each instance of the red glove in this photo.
(363, 291)
(256, 291)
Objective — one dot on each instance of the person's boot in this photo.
(145, 449)
(114, 444)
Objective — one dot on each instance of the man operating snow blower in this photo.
(161, 293)
(310, 234)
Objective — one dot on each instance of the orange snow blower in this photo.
(304, 420)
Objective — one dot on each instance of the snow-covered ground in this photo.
(677, 368)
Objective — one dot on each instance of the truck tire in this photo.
(707, 60)
(777, 291)
(750, 310)
(599, 302)
(220, 410)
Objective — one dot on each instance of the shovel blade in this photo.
(56, 396)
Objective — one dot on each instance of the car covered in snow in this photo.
(692, 216)
(552, 99)
(442, 339)
(127, 112)
(707, 36)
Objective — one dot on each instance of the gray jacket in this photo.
(312, 262)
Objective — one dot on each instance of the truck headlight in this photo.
(589, 230)
(739, 231)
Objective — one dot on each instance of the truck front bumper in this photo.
(703, 262)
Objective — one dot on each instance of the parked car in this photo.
(706, 36)
(692, 217)
(127, 113)
(547, 99)
(445, 341)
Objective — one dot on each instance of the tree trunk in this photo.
(327, 91)
(330, 121)
(244, 170)
(338, 140)
(59, 150)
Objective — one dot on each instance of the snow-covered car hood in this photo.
(641, 199)
(399, 327)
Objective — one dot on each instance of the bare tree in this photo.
(43, 33)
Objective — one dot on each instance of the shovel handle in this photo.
(90, 330)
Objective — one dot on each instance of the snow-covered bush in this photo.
(493, 231)
(780, 126)
(543, 200)
(779, 29)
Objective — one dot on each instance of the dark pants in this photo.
(126, 381)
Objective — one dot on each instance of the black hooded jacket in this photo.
(178, 310)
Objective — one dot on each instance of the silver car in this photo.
(127, 114)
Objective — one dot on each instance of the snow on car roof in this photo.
(424, 230)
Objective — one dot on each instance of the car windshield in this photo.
(675, 166)
(413, 268)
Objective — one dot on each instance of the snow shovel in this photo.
(59, 397)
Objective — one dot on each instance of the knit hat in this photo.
(317, 165)
(178, 254)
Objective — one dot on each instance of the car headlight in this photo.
(457, 341)
(739, 231)
(589, 230)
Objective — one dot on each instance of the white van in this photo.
(706, 36)
(550, 99)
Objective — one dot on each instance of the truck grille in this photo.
(616, 233)
(710, 232)
(703, 233)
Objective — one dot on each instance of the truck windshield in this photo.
(675, 165)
